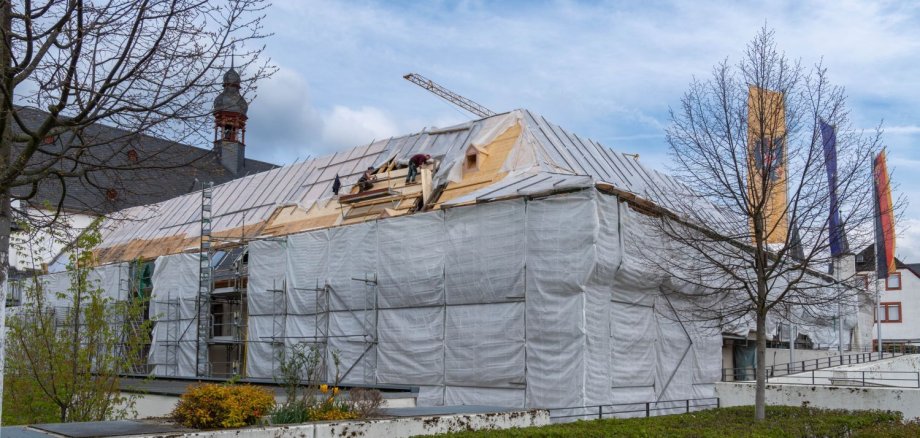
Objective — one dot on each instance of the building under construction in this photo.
(503, 277)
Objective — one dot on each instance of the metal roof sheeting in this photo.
(565, 161)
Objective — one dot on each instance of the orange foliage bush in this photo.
(212, 406)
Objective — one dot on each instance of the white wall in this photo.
(781, 355)
(40, 247)
(389, 427)
(904, 400)
(909, 297)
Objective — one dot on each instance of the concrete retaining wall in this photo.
(902, 371)
(904, 400)
(395, 427)
(906, 363)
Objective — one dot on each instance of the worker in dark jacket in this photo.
(414, 163)
(366, 182)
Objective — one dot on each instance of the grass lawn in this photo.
(782, 421)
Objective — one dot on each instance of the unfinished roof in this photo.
(512, 154)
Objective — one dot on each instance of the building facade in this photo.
(899, 298)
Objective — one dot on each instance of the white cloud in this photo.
(283, 124)
(908, 241)
(907, 129)
(347, 127)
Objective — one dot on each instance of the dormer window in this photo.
(132, 156)
(471, 160)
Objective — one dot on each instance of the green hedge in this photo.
(782, 421)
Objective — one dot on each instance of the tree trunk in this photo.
(6, 214)
(760, 409)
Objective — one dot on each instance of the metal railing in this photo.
(741, 374)
(632, 410)
(900, 379)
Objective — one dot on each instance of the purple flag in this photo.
(836, 233)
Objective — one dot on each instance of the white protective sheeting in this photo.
(485, 253)
(559, 257)
(520, 303)
(173, 310)
(352, 262)
(411, 346)
(112, 280)
(411, 255)
(485, 345)
(265, 300)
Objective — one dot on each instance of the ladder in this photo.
(204, 282)
(171, 346)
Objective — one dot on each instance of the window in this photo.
(14, 297)
(860, 258)
(132, 156)
(893, 282)
(471, 160)
(862, 280)
(891, 312)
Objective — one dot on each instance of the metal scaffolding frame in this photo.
(322, 299)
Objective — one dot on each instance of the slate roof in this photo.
(868, 262)
(165, 169)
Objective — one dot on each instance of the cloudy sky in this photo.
(605, 70)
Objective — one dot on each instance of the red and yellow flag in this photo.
(767, 160)
(884, 218)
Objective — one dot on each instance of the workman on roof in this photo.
(414, 163)
(366, 182)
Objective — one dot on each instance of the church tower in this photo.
(230, 124)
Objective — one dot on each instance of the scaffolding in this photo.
(279, 320)
(320, 338)
(319, 300)
(173, 336)
(227, 325)
(369, 324)
(205, 284)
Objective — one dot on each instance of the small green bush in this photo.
(212, 406)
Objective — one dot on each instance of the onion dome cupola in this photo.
(230, 124)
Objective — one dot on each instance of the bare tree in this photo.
(143, 67)
(749, 240)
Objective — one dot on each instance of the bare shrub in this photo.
(365, 402)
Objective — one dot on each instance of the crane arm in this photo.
(448, 95)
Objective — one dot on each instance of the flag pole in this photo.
(878, 306)
(878, 295)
